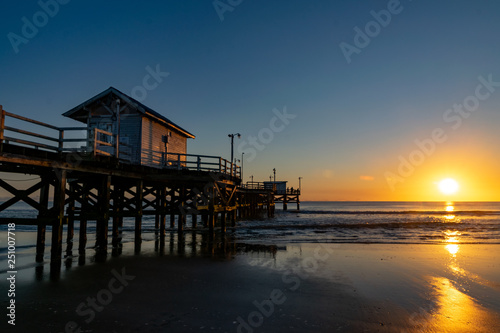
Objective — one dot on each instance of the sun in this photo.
(448, 186)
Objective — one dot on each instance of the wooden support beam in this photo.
(232, 195)
(71, 221)
(194, 219)
(223, 221)
(138, 208)
(269, 198)
(233, 217)
(2, 127)
(204, 218)
(171, 243)
(104, 193)
(139, 191)
(172, 211)
(157, 206)
(41, 229)
(57, 226)
(181, 244)
(172, 220)
(82, 241)
(180, 222)
(117, 209)
(211, 211)
(163, 208)
(193, 243)
(182, 212)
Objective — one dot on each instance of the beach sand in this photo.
(192, 287)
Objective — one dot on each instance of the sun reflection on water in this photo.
(449, 208)
(452, 239)
(453, 309)
(456, 311)
(453, 249)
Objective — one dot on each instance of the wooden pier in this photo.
(88, 179)
(290, 196)
(281, 193)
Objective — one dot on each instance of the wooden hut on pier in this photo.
(130, 130)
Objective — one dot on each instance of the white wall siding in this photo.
(152, 148)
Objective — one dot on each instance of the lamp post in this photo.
(232, 143)
(300, 187)
(274, 171)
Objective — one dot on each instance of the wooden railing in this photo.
(259, 186)
(255, 185)
(55, 143)
(270, 186)
(102, 138)
(100, 142)
(201, 163)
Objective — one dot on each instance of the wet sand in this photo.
(296, 287)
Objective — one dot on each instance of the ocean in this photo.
(380, 222)
(334, 222)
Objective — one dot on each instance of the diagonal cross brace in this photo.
(224, 200)
(22, 195)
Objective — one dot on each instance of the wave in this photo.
(404, 212)
(377, 225)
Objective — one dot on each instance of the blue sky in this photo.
(352, 119)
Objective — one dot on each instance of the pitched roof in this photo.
(141, 108)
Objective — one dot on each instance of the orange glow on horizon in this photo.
(472, 167)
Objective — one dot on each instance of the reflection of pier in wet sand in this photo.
(190, 244)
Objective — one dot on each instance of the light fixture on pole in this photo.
(232, 143)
